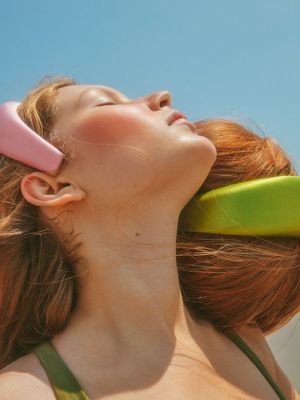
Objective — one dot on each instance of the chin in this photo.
(207, 153)
(210, 148)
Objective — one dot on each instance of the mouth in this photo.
(176, 118)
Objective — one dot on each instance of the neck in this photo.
(129, 294)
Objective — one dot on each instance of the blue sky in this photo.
(229, 58)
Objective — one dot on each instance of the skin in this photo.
(131, 176)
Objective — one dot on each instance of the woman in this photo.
(89, 258)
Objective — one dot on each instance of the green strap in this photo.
(66, 386)
(63, 382)
(253, 357)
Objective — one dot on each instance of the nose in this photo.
(158, 100)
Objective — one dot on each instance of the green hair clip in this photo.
(260, 207)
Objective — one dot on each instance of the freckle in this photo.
(137, 234)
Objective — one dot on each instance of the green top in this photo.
(66, 386)
(256, 361)
(63, 382)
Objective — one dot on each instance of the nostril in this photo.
(164, 99)
(164, 103)
(158, 100)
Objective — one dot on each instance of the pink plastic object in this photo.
(22, 144)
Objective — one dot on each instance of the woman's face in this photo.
(124, 146)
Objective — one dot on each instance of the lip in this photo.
(186, 122)
(175, 115)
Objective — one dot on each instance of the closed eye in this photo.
(104, 104)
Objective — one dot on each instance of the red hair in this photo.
(235, 281)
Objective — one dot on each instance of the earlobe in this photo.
(41, 189)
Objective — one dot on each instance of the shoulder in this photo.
(257, 341)
(284, 383)
(296, 395)
(25, 378)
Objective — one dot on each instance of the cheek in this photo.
(110, 148)
(114, 128)
(109, 154)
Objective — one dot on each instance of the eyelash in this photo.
(104, 104)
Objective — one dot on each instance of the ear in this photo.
(41, 189)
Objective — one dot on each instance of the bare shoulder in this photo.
(282, 380)
(257, 341)
(296, 395)
(286, 386)
(25, 378)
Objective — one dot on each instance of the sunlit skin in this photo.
(130, 301)
(123, 192)
(141, 123)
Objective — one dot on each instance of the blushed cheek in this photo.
(108, 152)
(99, 129)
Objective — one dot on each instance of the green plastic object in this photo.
(260, 207)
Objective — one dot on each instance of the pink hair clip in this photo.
(22, 144)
